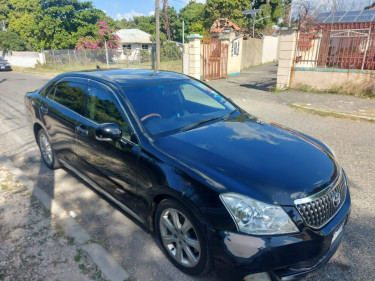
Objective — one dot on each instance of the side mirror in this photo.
(108, 132)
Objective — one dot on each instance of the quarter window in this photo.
(71, 95)
(101, 108)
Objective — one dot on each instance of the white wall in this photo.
(24, 59)
(270, 49)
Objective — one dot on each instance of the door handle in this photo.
(44, 109)
(81, 129)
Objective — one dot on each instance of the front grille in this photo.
(319, 209)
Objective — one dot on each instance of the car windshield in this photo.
(168, 107)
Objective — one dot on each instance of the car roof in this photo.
(128, 77)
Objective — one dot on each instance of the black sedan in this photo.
(4, 64)
(221, 189)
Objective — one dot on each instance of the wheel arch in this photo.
(183, 200)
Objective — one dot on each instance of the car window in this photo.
(193, 93)
(48, 91)
(168, 107)
(71, 95)
(101, 108)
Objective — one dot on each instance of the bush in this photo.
(11, 41)
(170, 52)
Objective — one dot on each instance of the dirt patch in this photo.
(33, 244)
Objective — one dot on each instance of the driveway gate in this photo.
(215, 59)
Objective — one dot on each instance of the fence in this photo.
(338, 45)
(74, 60)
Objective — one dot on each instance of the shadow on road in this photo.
(261, 85)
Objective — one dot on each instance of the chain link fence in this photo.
(76, 60)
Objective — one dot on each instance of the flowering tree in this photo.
(104, 34)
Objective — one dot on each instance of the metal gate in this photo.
(215, 59)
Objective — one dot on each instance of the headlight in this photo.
(255, 217)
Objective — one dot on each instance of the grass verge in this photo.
(356, 116)
(363, 90)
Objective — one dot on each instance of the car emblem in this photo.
(336, 199)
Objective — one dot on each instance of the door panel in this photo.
(111, 164)
(59, 111)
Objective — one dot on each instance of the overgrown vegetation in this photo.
(364, 90)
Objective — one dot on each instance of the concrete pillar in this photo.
(195, 55)
(287, 39)
(186, 59)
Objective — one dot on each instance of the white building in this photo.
(132, 41)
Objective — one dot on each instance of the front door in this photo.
(110, 164)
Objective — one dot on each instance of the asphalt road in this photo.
(132, 246)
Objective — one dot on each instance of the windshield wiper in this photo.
(194, 125)
(225, 117)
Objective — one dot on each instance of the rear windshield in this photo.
(170, 107)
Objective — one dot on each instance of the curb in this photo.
(334, 113)
(110, 268)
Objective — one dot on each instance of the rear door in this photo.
(60, 109)
(110, 164)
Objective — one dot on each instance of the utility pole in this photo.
(157, 34)
(183, 46)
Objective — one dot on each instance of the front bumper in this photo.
(283, 257)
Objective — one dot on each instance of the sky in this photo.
(118, 9)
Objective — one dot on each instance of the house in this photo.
(342, 40)
(132, 41)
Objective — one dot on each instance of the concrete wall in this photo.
(259, 51)
(270, 49)
(325, 79)
(24, 59)
(252, 52)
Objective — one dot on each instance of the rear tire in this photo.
(182, 238)
(46, 150)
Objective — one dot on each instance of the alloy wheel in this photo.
(179, 237)
(45, 148)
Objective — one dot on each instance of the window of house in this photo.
(144, 47)
(235, 48)
(127, 47)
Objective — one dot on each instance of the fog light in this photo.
(258, 277)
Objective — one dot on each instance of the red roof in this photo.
(220, 24)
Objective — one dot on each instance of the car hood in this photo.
(265, 161)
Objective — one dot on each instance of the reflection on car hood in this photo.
(264, 161)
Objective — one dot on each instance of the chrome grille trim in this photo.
(318, 209)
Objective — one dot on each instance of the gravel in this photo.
(33, 244)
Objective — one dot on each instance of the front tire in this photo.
(46, 150)
(182, 238)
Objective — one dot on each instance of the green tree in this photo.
(193, 14)
(10, 41)
(125, 24)
(174, 22)
(231, 9)
(4, 10)
(146, 24)
(272, 12)
(53, 24)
